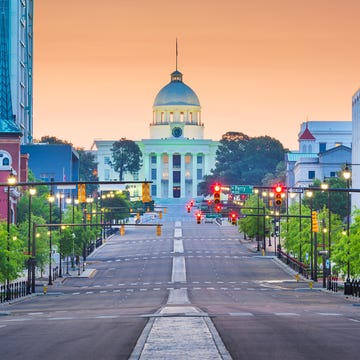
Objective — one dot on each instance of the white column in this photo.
(194, 175)
(182, 178)
(146, 167)
(170, 188)
(159, 170)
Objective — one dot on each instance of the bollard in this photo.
(297, 277)
(311, 284)
(45, 289)
(262, 252)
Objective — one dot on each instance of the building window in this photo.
(311, 174)
(136, 176)
(153, 159)
(171, 117)
(153, 190)
(153, 174)
(106, 160)
(107, 175)
(332, 174)
(181, 117)
(176, 160)
(338, 144)
(199, 174)
(322, 147)
(187, 159)
(199, 159)
(165, 158)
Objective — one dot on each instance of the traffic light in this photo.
(158, 230)
(82, 193)
(188, 208)
(233, 218)
(279, 191)
(314, 221)
(198, 218)
(146, 193)
(217, 191)
(218, 208)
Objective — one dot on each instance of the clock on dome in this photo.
(176, 132)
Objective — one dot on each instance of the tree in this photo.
(338, 200)
(52, 140)
(126, 157)
(87, 168)
(244, 160)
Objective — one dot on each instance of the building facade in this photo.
(17, 31)
(176, 157)
(355, 197)
(324, 149)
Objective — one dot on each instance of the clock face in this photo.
(176, 132)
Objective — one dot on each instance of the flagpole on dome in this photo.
(176, 54)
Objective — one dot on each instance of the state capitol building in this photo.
(176, 156)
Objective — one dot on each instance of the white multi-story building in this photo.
(176, 157)
(324, 149)
(17, 35)
(355, 197)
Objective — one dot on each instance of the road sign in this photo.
(241, 189)
(211, 216)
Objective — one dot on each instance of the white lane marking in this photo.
(354, 320)
(177, 224)
(76, 293)
(178, 269)
(178, 246)
(177, 233)
(286, 314)
(62, 318)
(241, 314)
(329, 314)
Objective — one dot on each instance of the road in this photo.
(191, 272)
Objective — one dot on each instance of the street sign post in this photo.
(241, 189)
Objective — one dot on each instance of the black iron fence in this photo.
(295, 264)
(352, 287)
(12, 291)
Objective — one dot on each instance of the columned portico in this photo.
(182, 177)
(170, 184)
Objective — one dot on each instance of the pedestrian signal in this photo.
(198, 218)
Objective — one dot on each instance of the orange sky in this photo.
(260, 67)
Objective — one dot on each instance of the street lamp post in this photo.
(347, 176)
(11, 182)
(51, 199)
(258, 220)
(32, 192)
(309, 194)
(60, 196)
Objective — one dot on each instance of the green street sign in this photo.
(241, 189)
(212, 216)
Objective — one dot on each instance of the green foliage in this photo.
(12, 257)
(244, 160)
(338, 200)
(254, 224)
(126, 157)
(87, 168)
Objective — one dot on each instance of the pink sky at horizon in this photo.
(259, 67)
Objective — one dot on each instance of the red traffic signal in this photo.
(188, 208)
(198, 218)
(233, 217)
(278, 190)
(217, 191)
(218, 208)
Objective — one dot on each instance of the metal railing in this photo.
(295, 264)
(14, 291)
